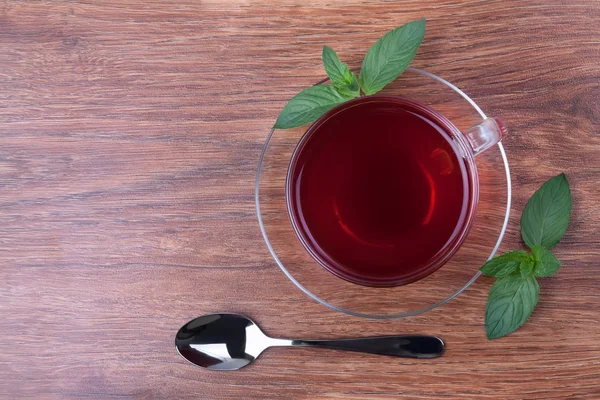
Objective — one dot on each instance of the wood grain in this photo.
(129, 136)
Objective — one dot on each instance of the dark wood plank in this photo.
(129, 136)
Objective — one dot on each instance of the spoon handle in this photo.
(408, 346)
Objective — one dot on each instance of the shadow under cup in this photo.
(382, 190)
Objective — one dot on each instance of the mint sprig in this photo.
(341, 77)
(546, 264)
(308, 105)
(384, 62)
(546, 214)
(511, 301)
(390, 56)
(514, 295)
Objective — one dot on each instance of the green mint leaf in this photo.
(510, 302)
(390, 56)
(335, 69)
(505, 264)
(308, 105)
(546, 215)
(546, 263)
(341, 77)
(526, 268)
(349, 90)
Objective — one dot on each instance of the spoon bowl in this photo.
(222, 341)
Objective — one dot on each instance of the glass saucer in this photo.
(443, 285)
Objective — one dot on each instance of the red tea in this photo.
(376, 190)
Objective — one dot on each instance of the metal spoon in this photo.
(232, 341)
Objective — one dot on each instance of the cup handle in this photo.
(484, 135)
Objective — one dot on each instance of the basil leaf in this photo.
(341, 77)
(390, 56)
(546, 263)
(308, 105)
(511, 301)
(546, 215)
(505, 264)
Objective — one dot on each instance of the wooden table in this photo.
(129, 137)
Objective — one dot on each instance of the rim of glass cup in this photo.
(398, 315)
